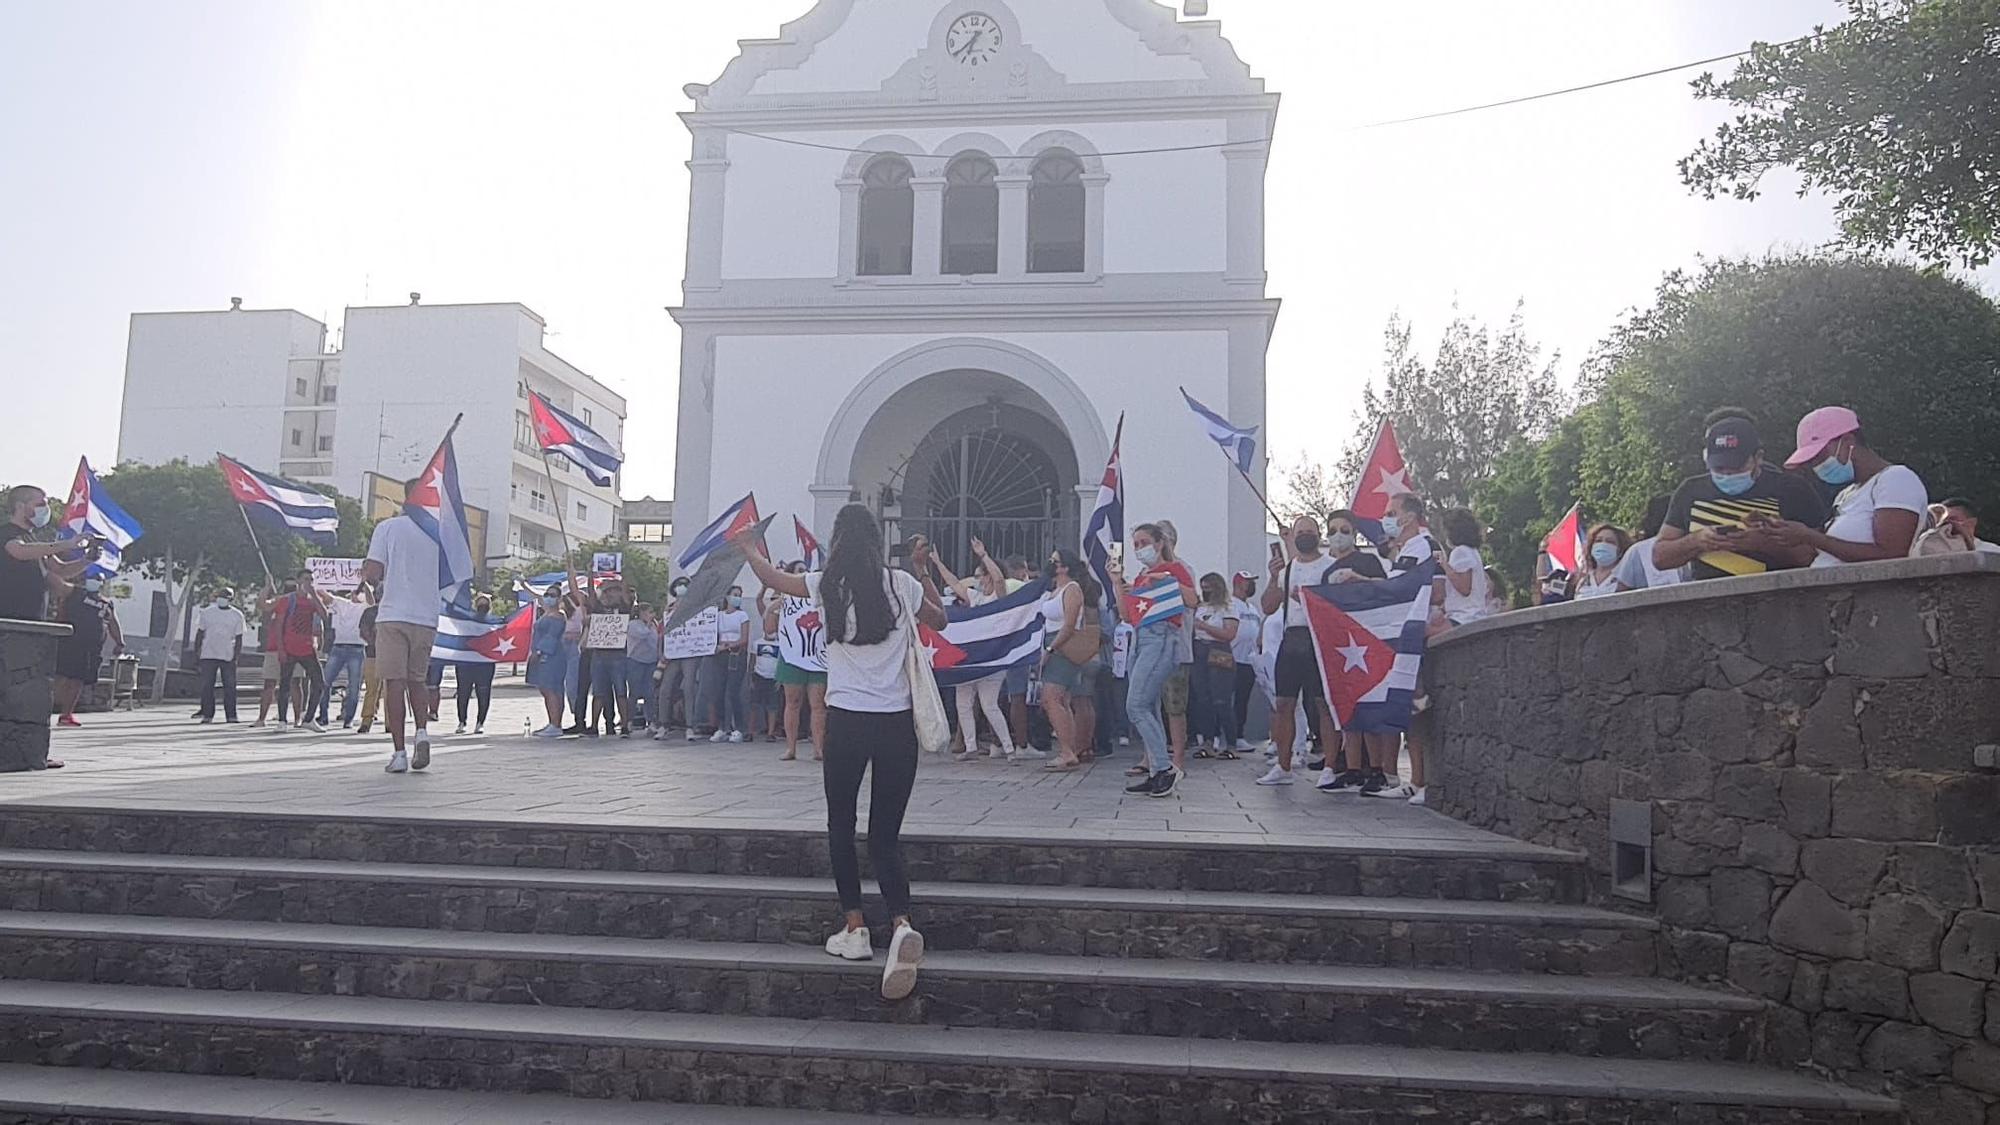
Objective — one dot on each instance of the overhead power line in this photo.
(1525, 98)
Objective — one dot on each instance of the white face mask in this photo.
(1147, 555)
(1341, 541)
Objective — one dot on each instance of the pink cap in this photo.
(1819, 429)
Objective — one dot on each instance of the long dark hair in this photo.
(1086, 582)
(853, 580)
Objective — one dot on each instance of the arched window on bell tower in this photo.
(887, 220)
(1056, 214)
(971, 239)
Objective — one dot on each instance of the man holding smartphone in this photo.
(1716, 521)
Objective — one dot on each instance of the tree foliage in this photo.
(646, 576)
(1895, 113)
(1914, 353)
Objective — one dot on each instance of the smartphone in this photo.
(1116, 553)
(1277, 552)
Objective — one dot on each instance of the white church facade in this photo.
(936, 247)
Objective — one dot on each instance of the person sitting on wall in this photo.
(1881, 506)
(1722, 521)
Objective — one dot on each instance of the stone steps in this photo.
(35, 1095)
(1592, 1016)
(1489, 869)
(875, 1068)
(994, 918)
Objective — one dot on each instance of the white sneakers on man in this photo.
(421, 757)
(1279, 775)
(399, 762)
(906, 953)
(1417, 798)
(549, 731)
(851, 945)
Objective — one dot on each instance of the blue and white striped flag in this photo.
(1237, 442)
(1369, 637)
(91, 511)
(980, 641)
(282, 505)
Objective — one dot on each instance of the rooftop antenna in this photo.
(235, 304)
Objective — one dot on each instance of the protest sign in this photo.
(696, 638)
(801, 635)
(336, 576)
(606, 630)
(608, 562)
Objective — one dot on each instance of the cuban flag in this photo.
(1107, 518)
(1564, 545)
(1369, 637)
(560, 432)
(91, 511)
(438, 507)
(982, 641)
(465, 639)
(1158, 600)
(1383, 476)
(1238, 443)
(734, 520)
(809, 548)
(280, 504)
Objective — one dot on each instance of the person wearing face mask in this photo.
(548, 660)
(1718, 524)
(1155, 652)
(723, 680)
(474, 678)
(1881, 506)
(218, 643)
(25, 564)
(88, 614)
(1599, 575)
(609, 697)
(1295, 674)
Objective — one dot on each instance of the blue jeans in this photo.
(1155, 654)
(722, 690)
(639, 679)
(1212, 712)
(345, 658)
(572, 668)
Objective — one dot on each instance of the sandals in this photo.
(1062, 767)
(1202, 752)
(1225, 755)
(1138, 771)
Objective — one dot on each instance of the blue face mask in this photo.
(1391, 526)
(1604, 554)
(1835, 472)
(735, 601)
(1733, 484)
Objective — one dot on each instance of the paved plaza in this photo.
(158, 757)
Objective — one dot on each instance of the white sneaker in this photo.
(736, 736)
(1244, 744)
(906, 952)
(1327, 777)
(550, 731)
(259, 723)
(422, 756)
(460, 730)
(661, 735)
(1030, 754)
(399, 762)
(479, 728)
(1124, 740)
(851, 945)
(718, 736)
(1417, 798)
(316, 727)
(1278, 776)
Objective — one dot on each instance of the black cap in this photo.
(1730, 444)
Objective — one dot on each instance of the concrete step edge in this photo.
(1472, 911)
(1424, 984)
(1538, 1075)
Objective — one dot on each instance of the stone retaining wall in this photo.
(1821, 835)
(27, 660)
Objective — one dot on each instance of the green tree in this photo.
(1895, 113)
(646, 576)
(1915, 353)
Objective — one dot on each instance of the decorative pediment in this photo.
(974, 53)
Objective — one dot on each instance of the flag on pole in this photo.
(980, 641)
(809, 549)
(1237, 442)
(1107, 518)
(734, 520)
(1564, 544)
(1383, 476)
(725, 565)
(438, 507)
(91, 511)
(557, 431)
(465, 638)
(1369, 638)
(280, 504)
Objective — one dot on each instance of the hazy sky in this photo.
(321, 153)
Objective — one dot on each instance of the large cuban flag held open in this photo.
(985, 640)
(557, 431)
(465, 639)
(1369, 637)
(282, 505)
(92, 511)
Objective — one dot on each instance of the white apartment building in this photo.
(264, 387)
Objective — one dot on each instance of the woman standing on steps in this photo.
(869, 611)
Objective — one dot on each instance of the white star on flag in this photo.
(1394, 484)
(1355, 655)
(505, 647)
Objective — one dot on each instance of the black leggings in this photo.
(1246, 682)
(854, 741)
(315, 685)
(474, 680)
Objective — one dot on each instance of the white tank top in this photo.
(1052, 610)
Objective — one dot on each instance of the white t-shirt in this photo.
(409, 559)
(1587, 587)
(1636, 569)
(729, 625)
(1467, 607)
(1249, 630)
(219, 629)
(1896, 487)
(346, 620)
(1217, 617)
(870, 677)
(1304, 573)
(1415, 553)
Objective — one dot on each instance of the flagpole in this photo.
(260, 547)
(562, 526)
(1276, 521)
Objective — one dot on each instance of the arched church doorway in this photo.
(998, 472)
